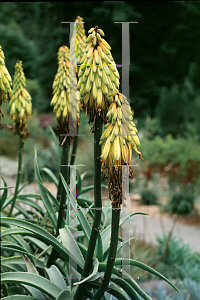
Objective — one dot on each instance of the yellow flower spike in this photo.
(60, 100)
(67, 82)
(5, 82)
(98, 77)
(119, 147)
(20, 104)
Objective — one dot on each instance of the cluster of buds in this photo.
(63, 88)
(78, 40)
(77, 49)
(98, 75)
(20, 104)
(5, 82)
(119, 139)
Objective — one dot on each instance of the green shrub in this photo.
(171, 110)
(177, 260)
(172, 158)
(181, 203)
(149, 197)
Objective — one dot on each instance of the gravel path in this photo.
(148, 227)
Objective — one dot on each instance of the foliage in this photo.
(149, 197)
(32, 32)
(45, 160)
(181, 203)
(28, 239)
(189, 291)
(18, 47)
(178, 110)
(40, 136)
(151, 127)
(196, 114)
(171, 111)
(172, 158)
(177, 260)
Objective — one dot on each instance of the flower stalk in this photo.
(65, 173)
(61, 197)
(118, 139)
(18, 176)
(98, 78)
(98, 205)
(75, 144)
(112, 253)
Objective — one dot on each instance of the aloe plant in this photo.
(85, 265)
(23, 238)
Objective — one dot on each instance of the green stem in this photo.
(75, 143)
(98, 204)
(112, 254)
(73, 156)
(65, 173)
(18, 176)
(63, 170)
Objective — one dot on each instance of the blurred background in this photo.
(164, 84)
(165, 99)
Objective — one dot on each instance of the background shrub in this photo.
(181, 203)
(149, 197)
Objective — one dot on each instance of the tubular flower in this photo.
(79, 107)
(20, 104)
(5, 82)
(119, 139)
(98, 75)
